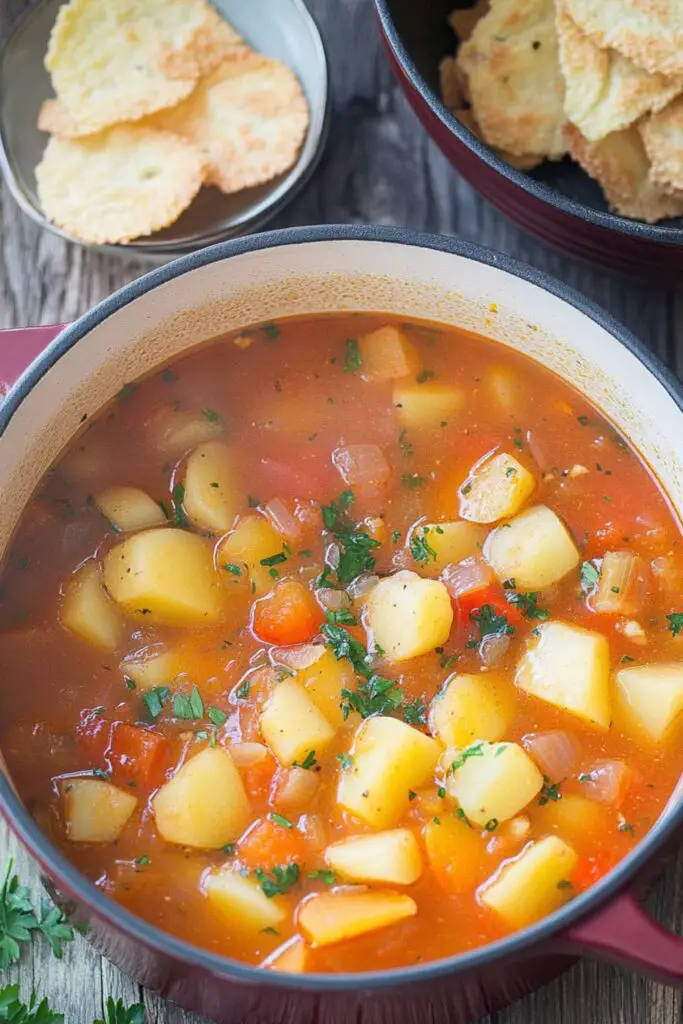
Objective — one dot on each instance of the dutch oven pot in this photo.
(308, 271)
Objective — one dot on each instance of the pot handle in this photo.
(624, 933)
(18, 349)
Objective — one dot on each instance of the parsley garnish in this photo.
(14, 1011)
(242, 691)
(528, 605)
(415, 713)
(463, 817)
(216, 716)
(154, 700)
(630, 829)
(413, 480)
(278, 881)
(308, 762)
(425, 375)
(550, 791)
(477, 750)
(326, 877)
(343, 645)
(675, 621)
(352, 359)
(231, 567)
(189, 707)
(589, 575)
(346, 761)
(178, 510)
(18, 921)
(142, 862)
(491, 825)
(271, 332)
(341, 617)
(212, 416)
(274, 559)
(279, 820)
(118, 1013)
(586, 777)
(490, 623)
(355, 544)
(377, 696)
(405, 445)
(396, 536)
(420, 548)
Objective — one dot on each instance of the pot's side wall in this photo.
(324, 276)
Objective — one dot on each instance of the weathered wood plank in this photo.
(379, 167)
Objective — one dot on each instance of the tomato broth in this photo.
(345, 643)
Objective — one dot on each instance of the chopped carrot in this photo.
(257, 778)
(288, 615)
(268, 844)
(137, 755)
(94, 739)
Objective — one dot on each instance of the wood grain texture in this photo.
(379, 167)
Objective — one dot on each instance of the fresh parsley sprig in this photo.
(18, 921)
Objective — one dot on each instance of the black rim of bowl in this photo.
(612, 221)
(224, 967)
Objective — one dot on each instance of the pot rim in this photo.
(163, 942)
(611, 221)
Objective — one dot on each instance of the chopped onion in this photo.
(300, 657)
(362, 585)
(297, 788)
(493, 648)
(464, 577)
(606, 782)
(555, 752)
(362, 465)
(245, 755)
(332, 600)
(282, 520)
(312, 828)
(623, 584)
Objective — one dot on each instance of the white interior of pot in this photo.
(326, 276)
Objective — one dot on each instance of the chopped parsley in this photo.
(489, 623)
(413, 480)
(675, 621)
(343, 645)
(411, 794)
(355, 544)
(405, 445)
(231, 567)
(491, 825)
(178, 510)
(477, 750)
(270, 332)
(188, 707)
(629, 829)
(216, 717)
(308, 762)
(377, 696)
(590, 576)
(277, 559)
(549, 792)
(242, 691)
(346, 761)
(279, 820)
(279, 881)
(130, 683)
(420, 548)
(396, 536)
(583, 420)
(341, 617)
(463, 817)
(326, 877)
(528, 605)
(415, 713)
(142, 862)
(212, 416)
(425, 375)
(586, 777)
(352, 359)
(154, 700)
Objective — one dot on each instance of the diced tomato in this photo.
(257, 778)
(288, 615)
(268, 844)
(137, 754)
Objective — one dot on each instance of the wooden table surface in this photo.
(379, 167)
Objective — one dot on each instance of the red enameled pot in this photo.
(557, 202)
(314, 270)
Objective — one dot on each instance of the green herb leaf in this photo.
(343, 645)
(342, 617)
(274, 559)
(242, 691)
(589, 575)
(420, 548)
(326, 877)
(13, 1011)
(476, 750)
(212, 416)
(154, 700)
(415, 713)
(404, 444)
(528, 605)
(425, 375)
(216, 716)
(279, 820)
(549, 792)
(119, 1013)
(352, 359)
(278, 881)
(377, 696)
(178, 495)
(490, 623)
(308, 762)
(231, 567)
(346, 761)
(491, 825)
(271, 332)
(191, 707)
(675, 621)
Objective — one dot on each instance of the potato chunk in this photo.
(252, 540)
(455, 852)
(204, 805)
(568, 667)
(446, 544)
(129, 509)
(392, 857)
(211, 498)
(408, 616)
(151, 669)
(388, 759)
(336, 916)
(242, 901)
(534, 549)
(87, 611)
(493, 781)
(292, 957)
(387, 354)
(95, 811)
(426, 406)
(174, 433)
(323, 676)
(470, 707)
(531, 886)
(292, 725)
(653, 696)
(497, 487)
(165, 575)
(573, 817)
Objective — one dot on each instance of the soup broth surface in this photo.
(345, 643)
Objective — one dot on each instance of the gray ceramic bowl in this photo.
(278, 28)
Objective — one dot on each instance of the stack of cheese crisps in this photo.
(600, 80)
(154, 99)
